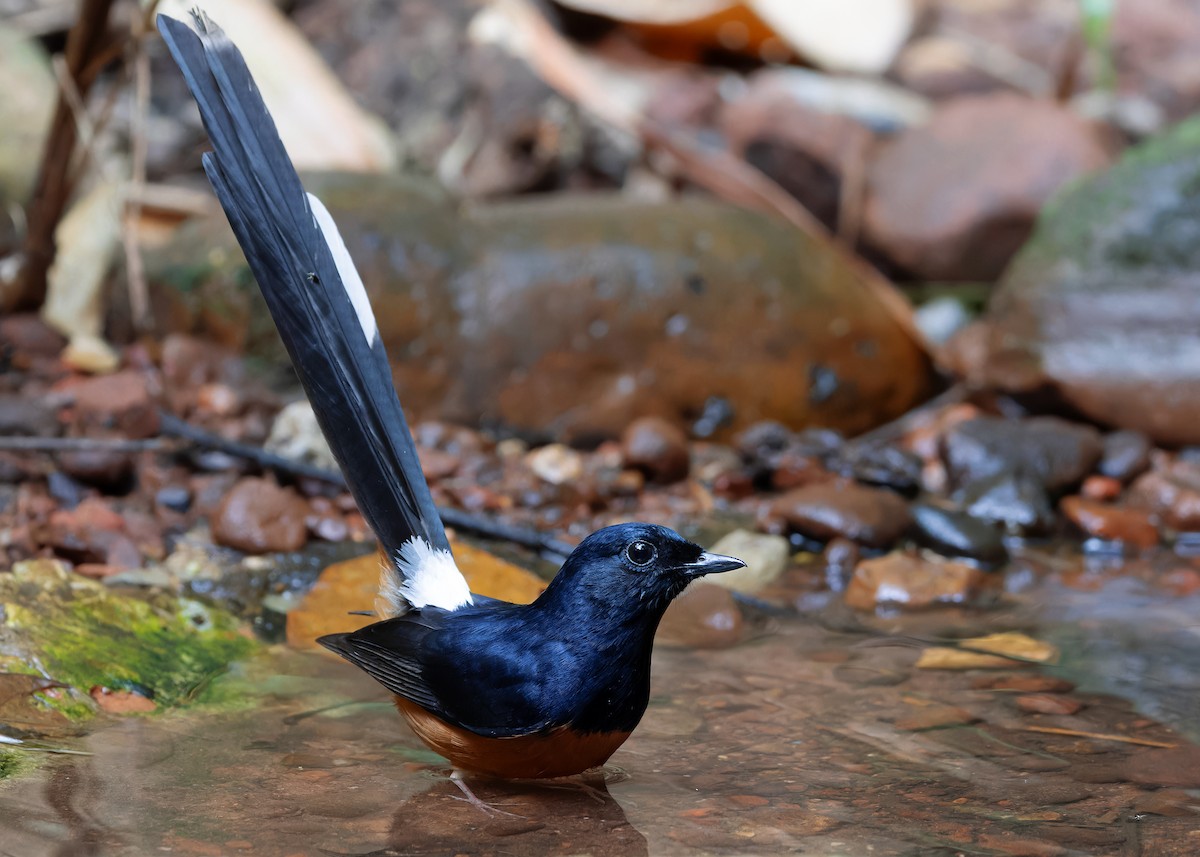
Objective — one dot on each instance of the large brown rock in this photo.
(574, 315)
(258, 516)
(870, 516)
(955, 198)
(1102, 309)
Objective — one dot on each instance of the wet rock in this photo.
(68, 492)
(870, 516)
(656, 447)
(1018, 503)
(946, 199)
(101, 468)
(632, 309)
(1102, 488)
(910, 581)
(841, 557)
(92, 533)
(258, 516)
(1175, 768)
(953, 533)
(177, 498)
(703, 617)
(879, 464)
(1172, 494)
(121, 701)
(1045, 703)
(85, 634)
(1134, 527)
(1024, 683)
(119, 403)
(936, 717)
(555, 463)
(1054, 452)
(1126, 455)
(1100, 309)
(25, 415)
(765, 556)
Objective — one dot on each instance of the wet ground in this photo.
(815, 735)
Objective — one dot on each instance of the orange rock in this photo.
(1134, 527)
(910, 581)
(351, 585)
(258, 516)
(121, 701)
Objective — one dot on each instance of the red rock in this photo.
(1134, 527)
(703, 617)
(1024, 683)
(1178, 767)
(28, 336)
(1045, 703)
(948, 200)
(102, 468)
(870, 516)
(1102, 488)
(258, 516)
(910, 581)
(657, 448)
(120, 403)
(1172, 493)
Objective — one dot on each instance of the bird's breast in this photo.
(560, 752)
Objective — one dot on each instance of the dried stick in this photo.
(54, 183)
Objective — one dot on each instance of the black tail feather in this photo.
(338, 356)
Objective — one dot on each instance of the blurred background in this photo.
(897, 299)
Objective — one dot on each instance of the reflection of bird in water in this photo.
(517, 691)
(542, 819)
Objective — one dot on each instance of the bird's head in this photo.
(632, 569)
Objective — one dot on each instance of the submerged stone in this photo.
(572, 316)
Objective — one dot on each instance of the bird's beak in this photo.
(711, 563)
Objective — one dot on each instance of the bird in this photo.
(513, 691)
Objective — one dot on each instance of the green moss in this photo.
(13, 762)
(83, 634)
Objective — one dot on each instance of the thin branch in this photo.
(84, 444)
(545, 545)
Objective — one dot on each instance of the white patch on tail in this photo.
(420, 576)
(352, 282)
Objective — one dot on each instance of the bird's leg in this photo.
(457, 777)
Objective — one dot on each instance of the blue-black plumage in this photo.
(544, 689)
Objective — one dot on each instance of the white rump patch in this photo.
(352, 282)
(421, 576)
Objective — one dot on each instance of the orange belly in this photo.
(558, 753)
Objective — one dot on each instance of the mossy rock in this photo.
(1101, 309)
(83, 634)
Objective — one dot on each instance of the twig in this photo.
(1100, 736)
(545, 545)
(135, 272)
(54, 183)
(83, 444)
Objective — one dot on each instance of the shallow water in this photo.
(817, 735)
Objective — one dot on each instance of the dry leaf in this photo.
(351, 585)
(859, 36)
(945, 658)
(1013, 644)
(321, 125)
(87, 238)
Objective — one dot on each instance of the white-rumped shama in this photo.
(545, 689)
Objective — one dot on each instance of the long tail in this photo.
(320, 307)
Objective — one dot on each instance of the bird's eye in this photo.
(641, 553)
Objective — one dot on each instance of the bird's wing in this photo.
(461, 667)
(323, 315)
